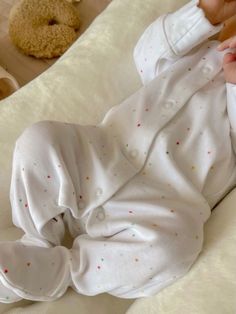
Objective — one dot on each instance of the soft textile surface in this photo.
(95, 74)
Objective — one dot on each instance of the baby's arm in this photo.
(170, 37)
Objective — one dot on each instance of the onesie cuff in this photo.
(188, 27)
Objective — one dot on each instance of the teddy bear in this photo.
(43, 28)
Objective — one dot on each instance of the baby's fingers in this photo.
(229, 57)
(229, 43)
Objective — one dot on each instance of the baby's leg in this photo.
(43, 195)
(45, 182)
(138, 242)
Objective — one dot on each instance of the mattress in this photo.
(96, 73)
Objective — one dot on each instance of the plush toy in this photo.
(43, 28)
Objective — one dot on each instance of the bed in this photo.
(96, 73)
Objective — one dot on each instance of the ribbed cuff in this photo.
(188, 27)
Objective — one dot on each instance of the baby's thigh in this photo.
(169, 224)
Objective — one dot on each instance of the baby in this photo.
(136, 190)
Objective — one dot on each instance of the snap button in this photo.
(169, 104)
(81, 204)
(99, 191)
(100, 214)
(206, 69)
(134, 153)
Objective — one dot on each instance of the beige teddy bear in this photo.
(43, 28)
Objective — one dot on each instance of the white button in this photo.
(100, 214)
(134, 153)
(99, 191)
(206, 69)
(81, 204)
(169, 104)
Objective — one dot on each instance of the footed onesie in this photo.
(134, 191)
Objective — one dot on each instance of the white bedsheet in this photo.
(96, 73)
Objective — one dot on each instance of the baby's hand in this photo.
(229, 61)
(228, 43)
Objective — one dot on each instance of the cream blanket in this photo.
(95, 74)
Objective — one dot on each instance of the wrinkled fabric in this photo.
(137, 188)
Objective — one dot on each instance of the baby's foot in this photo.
(7, 295)
(33, 273)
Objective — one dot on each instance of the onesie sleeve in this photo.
(170, 37)
(231, 108)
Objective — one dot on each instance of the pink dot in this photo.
(49, 177)
(138, 125)
(177, 143)
(26, 205)
(5, 271)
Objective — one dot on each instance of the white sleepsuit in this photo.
(135, 190)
